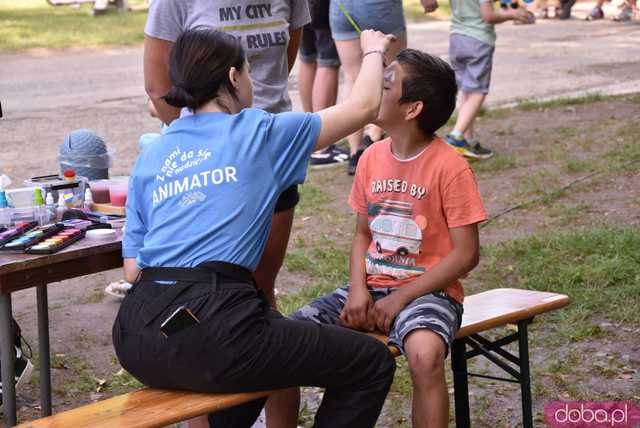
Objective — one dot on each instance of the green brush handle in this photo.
(349, 18)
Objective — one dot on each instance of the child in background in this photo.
(318, 75)
(471, 47)
(417, 206)
(542, 9)
(627, 10)
(382, 15)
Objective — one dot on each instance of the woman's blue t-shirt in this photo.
(206, 190)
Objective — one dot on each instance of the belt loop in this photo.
(214, 280)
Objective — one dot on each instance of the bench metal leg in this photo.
(460, 383)
(525, 378)
(43, 350)
(515, 366)
(8, 361)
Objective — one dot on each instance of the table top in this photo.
(16, 261)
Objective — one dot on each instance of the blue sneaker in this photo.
(468, 150)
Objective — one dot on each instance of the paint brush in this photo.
(349, 18)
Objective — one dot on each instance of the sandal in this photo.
(118, 289)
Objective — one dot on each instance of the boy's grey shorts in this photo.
(436, 312)
(472, 60)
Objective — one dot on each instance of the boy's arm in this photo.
(497, 16)
(359, 301)
(462, 259)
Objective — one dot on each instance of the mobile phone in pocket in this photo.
(180, 319)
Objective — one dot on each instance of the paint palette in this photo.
(32, 237)
(13, 232)
(57, 242)
(77, 223)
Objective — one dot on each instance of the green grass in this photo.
(565, 214)
(92, 297)
(79, 381)
(313, 201)
(536, 183)
(328, 266)
(30, 24)
(497, 163)
(625, 156)
(122, 380)
(563, 102)
(573, 165)
(598, 268)
(531, 105)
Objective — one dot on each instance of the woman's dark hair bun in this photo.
(178, 97)
(199, 67)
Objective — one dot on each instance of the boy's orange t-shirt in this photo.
(411, 204)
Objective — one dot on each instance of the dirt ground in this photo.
(81, 315)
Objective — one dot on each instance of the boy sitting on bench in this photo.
(418, 207)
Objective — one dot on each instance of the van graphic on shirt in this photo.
(394, 230)
(396, 240)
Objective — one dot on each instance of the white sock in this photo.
(457, 135)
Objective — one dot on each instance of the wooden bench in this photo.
(483, 312)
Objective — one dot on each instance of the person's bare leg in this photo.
(468, 111)
(425, 352)
(468, 134)
(351, 57)
(325, 87)
(199, 422)
(282, 408)
(306, 78)
(278, 415)
(274, 252)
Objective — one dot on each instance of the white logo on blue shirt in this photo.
(179, 161)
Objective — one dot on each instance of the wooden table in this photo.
(22, 271)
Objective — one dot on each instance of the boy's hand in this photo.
(355, 313)
(386, 309)
(429, 5)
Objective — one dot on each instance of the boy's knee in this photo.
(425, 354)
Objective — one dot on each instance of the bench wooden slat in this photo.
(152, 408)
(500, 306)
(144, 408)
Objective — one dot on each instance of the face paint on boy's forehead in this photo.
(389, 74)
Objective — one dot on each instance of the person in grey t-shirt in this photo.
(270, 32)
(265, 28)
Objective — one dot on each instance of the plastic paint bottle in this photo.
(61, 208)
(5, 211)
(51, 206)
(68, 196)
(88, 199)
(39, 209)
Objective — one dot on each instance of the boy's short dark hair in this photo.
(431, 80)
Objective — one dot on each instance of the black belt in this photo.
(217, 274)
